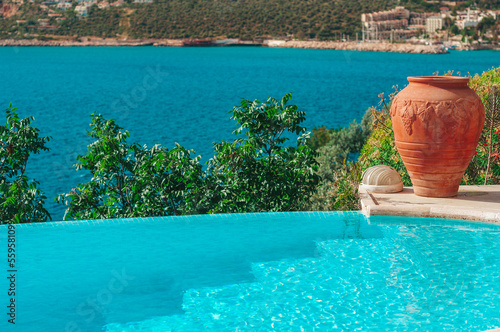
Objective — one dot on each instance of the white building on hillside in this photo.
(382, 24)
(83, 9)
(433, 23)
(63, 5)
(467, 18)
(103, 4)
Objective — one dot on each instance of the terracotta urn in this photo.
(437, 121)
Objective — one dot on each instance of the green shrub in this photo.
(338, 169)
(255, 173)
(259, 172)
(129, 180)
(340, 177)
(485, 165)
(340, 192)
(343, 146)
(20, 199)
(380, 147)
(320, 137)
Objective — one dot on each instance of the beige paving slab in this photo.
(478, 203)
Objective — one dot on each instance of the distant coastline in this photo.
(309, 44)
(360, 46)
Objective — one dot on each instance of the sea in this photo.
(163, 95)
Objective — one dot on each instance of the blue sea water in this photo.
(304, 271)
(167, 95)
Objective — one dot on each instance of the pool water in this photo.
(305, 271)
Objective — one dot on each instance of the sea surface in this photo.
(183, 95)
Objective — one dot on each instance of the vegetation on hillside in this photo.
(249, 19)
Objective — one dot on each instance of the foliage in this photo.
(485, 161)
(323, 20)
(338, 169)
(255, 173)
(338, 189)
(259, 172)
(320, 137)
(223, 18)
(129, 180)
(380, 148)
(492, 131)
(339, 192)
(20, 199)
(482, 84)
(343, 146)
(375, 139)
(249, 19)
(99, 23)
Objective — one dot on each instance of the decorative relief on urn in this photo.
(452, 114)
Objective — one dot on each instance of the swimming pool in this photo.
(319, 271)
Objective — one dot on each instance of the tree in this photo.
(448, 22)
(20, 199)
(344, 146)
(129, 180)
(486, 24)
(258, 172)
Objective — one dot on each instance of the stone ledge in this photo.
(476, 203)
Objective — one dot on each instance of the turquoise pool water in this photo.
(310, 271)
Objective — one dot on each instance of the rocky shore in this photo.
(347, 46)
(359, 46)
(91, 42)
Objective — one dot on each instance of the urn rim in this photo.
(438, 79)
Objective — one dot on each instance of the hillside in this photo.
(245, 19)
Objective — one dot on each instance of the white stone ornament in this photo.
(381, 179)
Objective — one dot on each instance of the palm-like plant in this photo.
(492, 123)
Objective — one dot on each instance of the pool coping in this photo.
(475, 203)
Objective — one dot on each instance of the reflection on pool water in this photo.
(319, 271)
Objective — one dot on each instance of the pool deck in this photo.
(478, 203)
